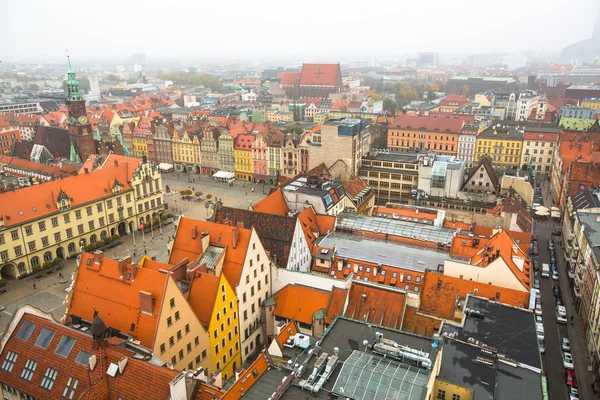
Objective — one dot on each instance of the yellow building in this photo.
(216, 306)
(504, 144)
(186, 151)
(140, 149)
(117, 122)
(56, 219)
(242, 154)
(151, 306)
(591, 103)
(279, 116)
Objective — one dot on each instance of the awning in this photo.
(542, 213)
(165, 166)
(542, 208)
(555, 209)
(223, 175)
(555, 214)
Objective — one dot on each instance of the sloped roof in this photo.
(441, 291)
(376, 304)
(300, 302)
(100, 287)
(274, 203)
(203, 295)
(56, 140)
(335, 307)
(138, 380)
(429, 124)
(235, 241)
(320, 74)
(454, 99)
(275, 231)
(486, 162)
(289, 78)
(419, 323)
(288, 330)
(248, 377)
(39, 200)
(55, 171)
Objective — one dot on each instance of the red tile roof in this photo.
(203, 295)
(540, 136)
(101, 287)
(39, 200)
(288, 330)
(376, 304)
(138, 380)
(419, 323)
(55, 171)
(429, 124)
(272, 204)
(320, 74)
(335, 307)
(300, 302)
(459, 100)
(289, 78)
(248, 377)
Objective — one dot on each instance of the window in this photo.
(172, 302)
(216, 333)
(189, 347)
(67, 218)
(180, 355)
(176, 315)
(29, 369)
(187, 328)
(14, 235)
(169, 321)
(162, 348)
(70, 233)
(42, 226)
(417, 279)
(54, 222)
(456, 397)
(245, 315)
(217, 348)
(83, 358)
(101, 221)
(28, 230)
(88, 210)
(65, 346)
(178, 335)
(45, 241)
(49, 378)
(78, 214)
(4, 255)
(171, 341)
(9, 361)
(99, 207)
(80, 229)
(109, 203)
(46, 336)
(91, 224)
(441, 394)
(57, 237)
(196, 341)
(173, 360)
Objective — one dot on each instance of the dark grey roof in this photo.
(56, 140)
(266, 385)
(394, 157)
(509, 330)
(517, 383)
(588, 198)
(502, 132)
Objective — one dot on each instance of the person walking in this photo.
(34, 287)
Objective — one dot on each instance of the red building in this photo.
(9, 135)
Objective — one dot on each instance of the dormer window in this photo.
(117, 187)
(63, 201)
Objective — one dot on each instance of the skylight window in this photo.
(83, 358)
(9, 361)
(49, 378)
(69, 391)
(45, 338)
(65, 346)
(29, 369)
(26, 331)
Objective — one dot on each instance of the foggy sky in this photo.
(208, 30)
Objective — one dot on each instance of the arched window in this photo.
(47, 256)
(103, 235)
(93, 239)
(71, 247)
(35, 261)
(21, 267)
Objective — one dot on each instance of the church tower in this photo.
(78, 125)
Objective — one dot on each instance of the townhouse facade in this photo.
(412, 133)
(539, 146)
(243, 156)
(225, 156)
(209, 146)
(163, 144)
(260, 159)
(502, 143)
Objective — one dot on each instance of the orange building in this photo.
(411, 133)
(8, 137)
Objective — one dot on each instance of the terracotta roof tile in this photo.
(320, 74)
(335, 307)
(288, 330)
(420, 323)
(274, 203)
(300, 302)
(116, 298)
(429, 124)
(376, 304)
(203, 295)
(248, 377)
(289, 78)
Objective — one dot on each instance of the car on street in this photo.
(536, 284)
(541, 345)
(539, 330)
(570, 378)
(538, 310)
(556, 232)
(550, 245)
(554, 275)
(573, 394)
(539, 319)
(545, 270)
(536, 265)
(561, 315)
(565, 344)
(558, 301)
(568, 361)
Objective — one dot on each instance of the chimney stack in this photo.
(123, 262)
(235, 237)
(98, 255)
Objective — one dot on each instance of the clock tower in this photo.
(78, 125)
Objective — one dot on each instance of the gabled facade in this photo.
(243, 156)
(186, 151)
(163, 144)
(274, 161)
(209, 146)
(225, 156)
(259, 159)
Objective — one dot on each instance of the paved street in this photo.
(552, 359)
(50, 293)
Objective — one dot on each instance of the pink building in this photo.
(259, 159)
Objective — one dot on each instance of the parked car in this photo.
(539, 319)
(556, 232)
(565, 344)
(541, 345)
(554, 274)
(573, 394)
(536, 284)
(534, 237)
(568, 361)
(538, 310)
(550, 244)
(536, 265)
(570, 378)
(539, 330)
(561, 315)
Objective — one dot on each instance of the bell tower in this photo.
(78, 125)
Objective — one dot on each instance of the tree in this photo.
(431, 95)
(34, 87)
(405, 93)
(113, 78)
(389, 104)
(294, 129)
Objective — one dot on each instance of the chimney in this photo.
(87, 171)
(235, 236)
(98, 255)
(146, 302)
(123, 262)
(134, 268)
(194, 232)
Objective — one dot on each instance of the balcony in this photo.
(571, 273)
(577, 291)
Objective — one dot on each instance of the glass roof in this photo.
(369, 376)
(394, 227)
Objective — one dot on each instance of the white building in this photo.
(441, 176)
(528, 101)
(466, 143)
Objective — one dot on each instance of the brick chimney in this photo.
(146, 302)
(98, 255)
(194, 232)
(134, 268)
(235, 237)
(122, 263)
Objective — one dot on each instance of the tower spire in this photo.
(69, 61)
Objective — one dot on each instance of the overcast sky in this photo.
(232, 29)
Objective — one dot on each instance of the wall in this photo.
(450, 390)
(520, 185)
(299, 258)
(497, 273)
(284, 277)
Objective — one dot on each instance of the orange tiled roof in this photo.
(406, 212)
(184, 246)
(354, 187)
(209, 392)
(335, 307)
(379, 305)
(419, 323)
(288, 330)
(457, 225)
(440, 293)
(203, 295)
(429, 124)
(248, 377)
(300, 302)
(39, 200)
(320, 74)
(105, 288)
(289, 78)
(272, 204)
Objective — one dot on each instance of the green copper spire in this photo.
(72, 83)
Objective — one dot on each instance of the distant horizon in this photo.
(215, 32)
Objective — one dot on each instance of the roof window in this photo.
(83, 358)
(9, 361)
(25, 331)
(65, 346)
(45, 338)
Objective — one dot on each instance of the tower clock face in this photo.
(82, 120)
(71, 120)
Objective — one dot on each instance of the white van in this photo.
(545, 270)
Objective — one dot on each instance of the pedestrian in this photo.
(145, 252)
(246, 193)
(34, 287)
(134, 253)
(252, 189)
(168, 252)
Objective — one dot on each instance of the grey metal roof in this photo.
(211, 255)
(383, 252)
(370, 376)
(588, 198)
(591, 231)
(394, 227)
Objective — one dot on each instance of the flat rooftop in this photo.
(383, 252)
(394, 156)
(508, 330)
(393, 227)
(266, 385)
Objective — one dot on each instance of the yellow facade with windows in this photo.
(59, 218)
(186, 150)
(503, 145)
(140, 149)
(243, 164)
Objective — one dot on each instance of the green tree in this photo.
(405, 93)
(389, 104)
(431, 95)
(465, 90)
(294, 129)
(34, 87)
(113, 78)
